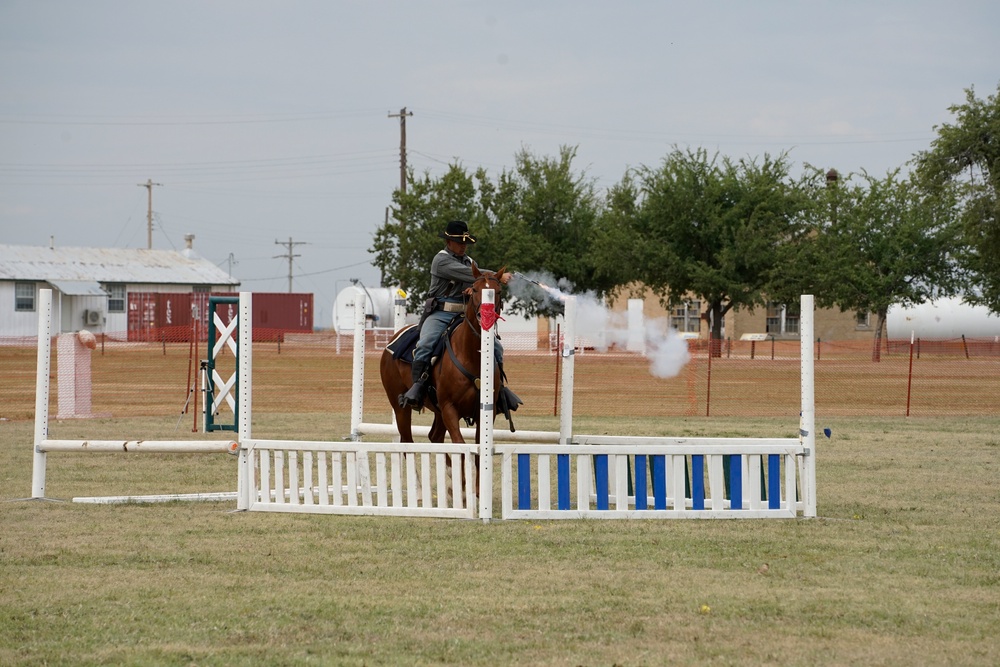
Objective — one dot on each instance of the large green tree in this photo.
(707, 227)
(884, 242)
(537, 217)
(965, 158)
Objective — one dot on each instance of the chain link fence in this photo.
(302, 374)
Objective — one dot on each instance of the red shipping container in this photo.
(168, 316)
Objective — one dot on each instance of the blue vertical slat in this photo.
(640, 482)
(660, 482)
(601, 480)
(523, 482)
(774, 481)
(736, 482)
(562, 483)
(698, 481)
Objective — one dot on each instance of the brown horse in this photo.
(455, 396)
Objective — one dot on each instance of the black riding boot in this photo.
(414, 396)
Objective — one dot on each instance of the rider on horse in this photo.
(451, 275)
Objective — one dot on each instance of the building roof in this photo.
(109, 265)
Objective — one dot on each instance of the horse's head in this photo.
(474, 295)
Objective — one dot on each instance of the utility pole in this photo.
(290, 244)
(149, 211)
(403, 113)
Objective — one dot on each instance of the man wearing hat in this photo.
(451, 275)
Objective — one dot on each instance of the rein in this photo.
(479, 334)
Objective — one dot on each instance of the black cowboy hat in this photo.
(457, 230)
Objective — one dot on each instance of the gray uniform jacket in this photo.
(450, 275)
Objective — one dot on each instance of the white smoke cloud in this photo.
(666, 350)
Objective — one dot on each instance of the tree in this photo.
(886, 242)
(711, 229)
(965, 158)
(539, 216)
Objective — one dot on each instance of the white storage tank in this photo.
(942, 319)
(380, 308)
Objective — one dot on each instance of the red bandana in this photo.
(488, 316)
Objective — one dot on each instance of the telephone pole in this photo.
(403, 113)
(290, 244)
(149, 211)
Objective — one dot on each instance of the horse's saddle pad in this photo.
(403, 342)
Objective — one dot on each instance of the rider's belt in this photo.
(451, 307)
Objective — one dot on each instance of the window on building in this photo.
(864, 319)
(116, 297)
(24, 297)
(782, 319)
(201, 289)
(686, 317)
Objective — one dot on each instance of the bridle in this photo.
(485, 278)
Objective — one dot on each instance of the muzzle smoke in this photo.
(663, 346)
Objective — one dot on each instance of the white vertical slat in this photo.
(279, 476)
(745, 471)
(365, 479)
(544, 482)
(411, 479)
(425, 476)
(469, 465)
(337, 479)
(506, 484)
(790, 468)
(265, 476)
(442, 480)
(752, 483)
(677, 481)
(621, 481)
(293, 477)
(380, 481)
(324, 480)
(457, 494)
(397, 479)
(716, 481)
(307, 478)
(352, 480)
(583, 482)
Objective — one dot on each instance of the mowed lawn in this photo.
(902, 567)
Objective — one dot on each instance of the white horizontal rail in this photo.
(504, 435)
(363, 447)
(160, 498)
(154, 446)
(662, 446)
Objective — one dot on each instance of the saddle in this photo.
(404, 342)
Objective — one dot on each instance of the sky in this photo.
(266, 125)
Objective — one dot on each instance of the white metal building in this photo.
(91, 285)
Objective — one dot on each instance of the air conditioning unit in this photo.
(93, 317)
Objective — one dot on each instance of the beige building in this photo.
(778, 320)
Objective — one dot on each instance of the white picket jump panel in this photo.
(580, 476)
(362, 478)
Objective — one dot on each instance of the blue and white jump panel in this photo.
(593, 478)
(396, 479)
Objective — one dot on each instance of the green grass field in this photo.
(902, 567)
